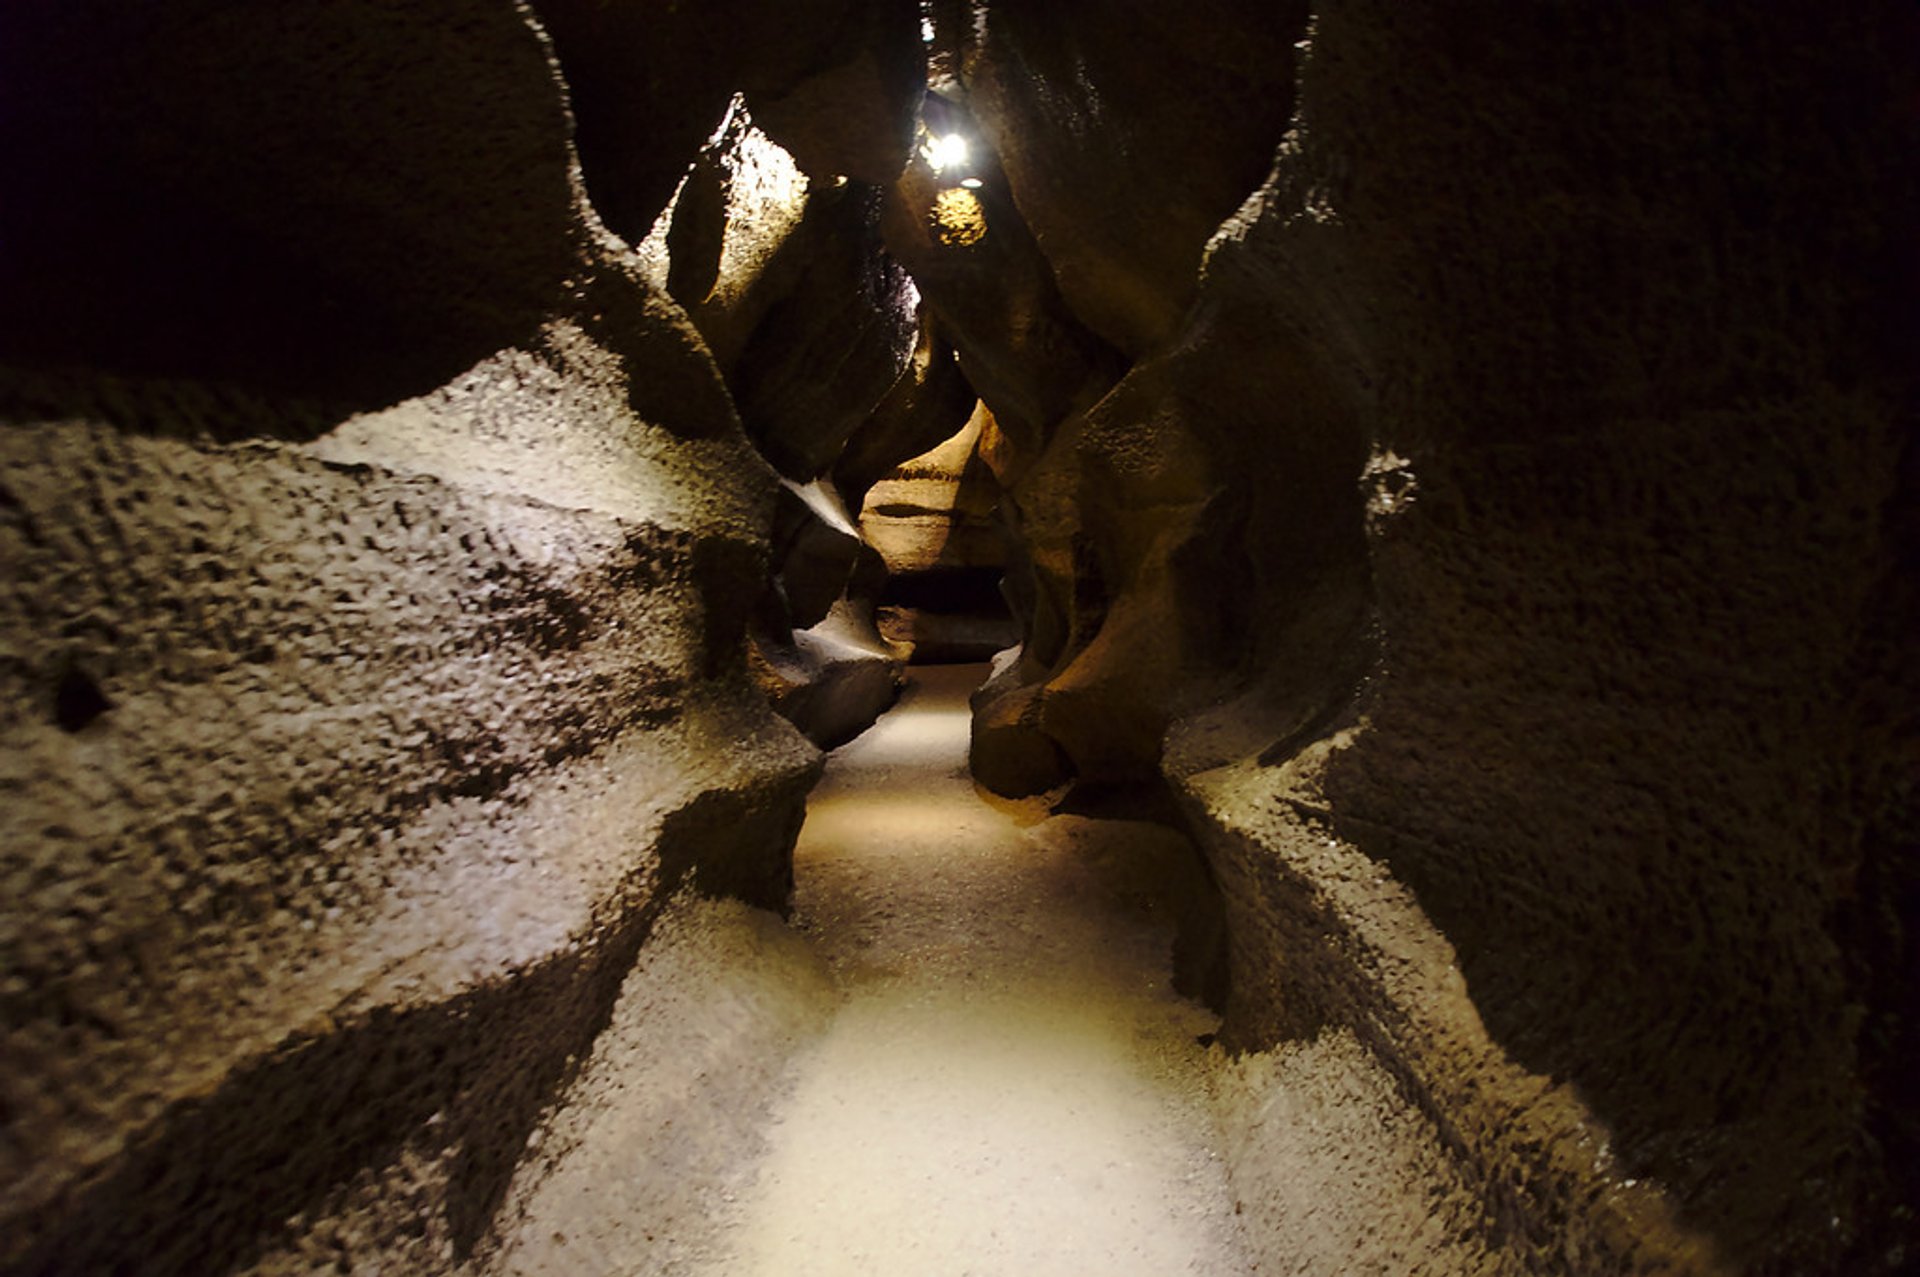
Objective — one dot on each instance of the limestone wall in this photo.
(1462, 452)
(1500, 555)
(380, 545)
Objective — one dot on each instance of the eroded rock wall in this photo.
(935, 522)
(1466, 454)
(817, 333)
(380, 547)
(1501, 555)
(1635, 448)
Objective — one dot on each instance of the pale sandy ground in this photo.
(1009, 1086)
(965, 1058)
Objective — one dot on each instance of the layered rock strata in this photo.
(935, 522)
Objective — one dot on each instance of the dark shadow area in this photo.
(192, 193)
(1202, 969)
(947, 589)
(951, 616)
(212, 1185)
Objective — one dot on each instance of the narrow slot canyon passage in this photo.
(1011, 1086)
(959, 638)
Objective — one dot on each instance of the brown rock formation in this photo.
(379, 548)
(936, 510)
(1496, 540)
(816, 331)
(816, 650)
(934, 521)
(1122, 164)
(1457, 459)
(1022, 351)
(931, 402)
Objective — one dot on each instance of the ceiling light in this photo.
(947, 152)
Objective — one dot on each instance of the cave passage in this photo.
(1437, 485)
(1010, 1085)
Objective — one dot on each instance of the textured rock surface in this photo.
(815, 648)
(372, 636)
(827, 353)
(1536, 440)
(810, 320)
(182, 208)
(936, 510)
(818, 335)
(832, 679)
(1125, 162)
(658, 1133)
(1620, 540)
(1465, 452)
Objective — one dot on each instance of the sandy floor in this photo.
(1010, 1086)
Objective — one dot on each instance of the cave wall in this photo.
(1503, 556)
(1463, 452)
(835, 365)
(1634, 447)
(381, 543)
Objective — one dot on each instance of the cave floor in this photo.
(1009, 1086)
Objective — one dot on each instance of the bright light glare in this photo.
(972, 183)
(947, 152)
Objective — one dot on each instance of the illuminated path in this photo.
(1010, 1087)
